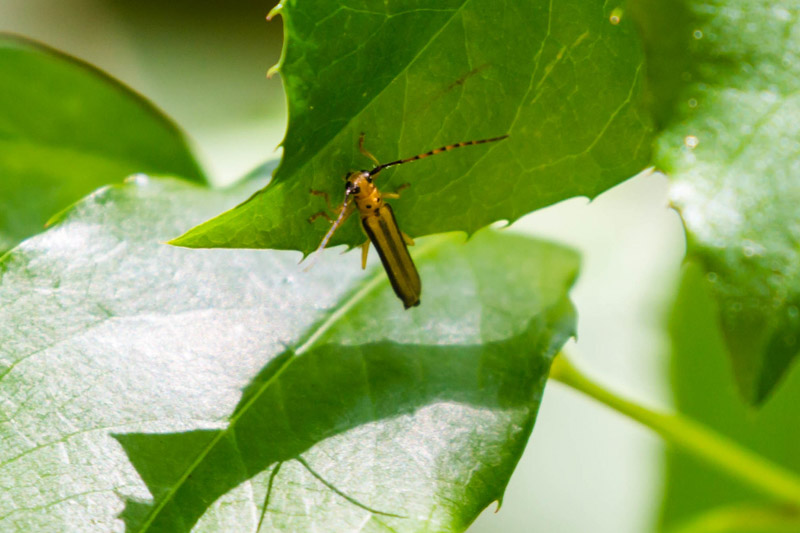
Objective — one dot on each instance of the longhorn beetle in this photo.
(378, 222)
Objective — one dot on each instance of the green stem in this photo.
(742, 517)
(712, 448)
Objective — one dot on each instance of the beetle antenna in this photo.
(447, 148)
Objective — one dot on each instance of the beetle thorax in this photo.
(360, 187)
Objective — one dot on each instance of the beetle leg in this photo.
(364, 253)
(364, 150)
(408, 240)
(396, 194)
(322, 214)
(325, 196)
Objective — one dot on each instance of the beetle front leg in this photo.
(365, 152)
(324, 195)
(322, 214)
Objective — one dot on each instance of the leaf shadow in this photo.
(296, 402)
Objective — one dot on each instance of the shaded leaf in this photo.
(725, 79)
(558, 77)
(67, 128)
(420, 413)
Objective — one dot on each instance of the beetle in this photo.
(379, 223)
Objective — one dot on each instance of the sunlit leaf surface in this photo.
(563, 79)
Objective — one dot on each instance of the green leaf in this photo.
(725, 79)
(704, 390)
(65, 129)
(367, 408)
(559, 77)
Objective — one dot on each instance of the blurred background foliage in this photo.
(204, 63)
(586, 468)
(697, 497)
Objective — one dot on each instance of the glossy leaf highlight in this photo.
(724, 85)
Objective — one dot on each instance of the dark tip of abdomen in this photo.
(412, 304)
